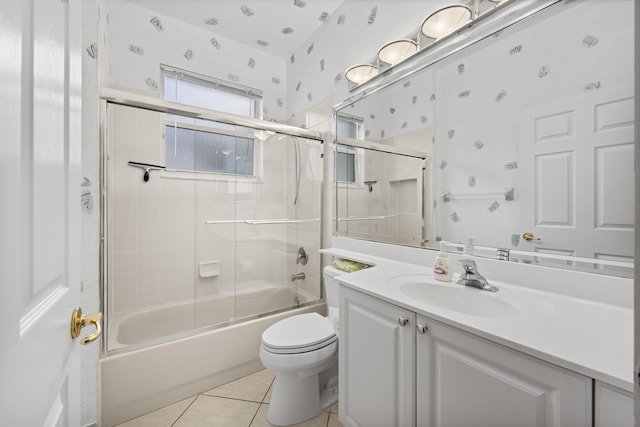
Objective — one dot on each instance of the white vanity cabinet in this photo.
(401, 369)
(463, 380)
(614, 407)
(377, 348)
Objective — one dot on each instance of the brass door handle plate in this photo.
(529, 237)
(78, 321)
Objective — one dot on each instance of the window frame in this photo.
(198, 125)
(254, 94)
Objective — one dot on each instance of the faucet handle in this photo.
(468, 265)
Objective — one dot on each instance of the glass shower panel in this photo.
(150, 228)
(213, 235)
(383, 202)
(278, 213)
(305, 208)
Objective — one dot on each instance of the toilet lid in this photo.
(304, 332)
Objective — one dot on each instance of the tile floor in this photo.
(241, 403)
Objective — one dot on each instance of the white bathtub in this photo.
(153, 324)
(136, 382)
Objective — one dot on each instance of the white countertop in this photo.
(584, 336)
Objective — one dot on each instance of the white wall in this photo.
(91, 209)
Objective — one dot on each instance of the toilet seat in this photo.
(299, 334)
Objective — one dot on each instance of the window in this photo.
(205, 146)
(201, 151)
(346, 160)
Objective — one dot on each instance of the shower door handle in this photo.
(79, 321)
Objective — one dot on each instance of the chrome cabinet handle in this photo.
(422, 329)
(402, 321)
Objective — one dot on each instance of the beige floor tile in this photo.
(252, 387)
(334, 409)
(162, 417)
(334, 421)
(261, 419)
(211, 411)
(267, 398)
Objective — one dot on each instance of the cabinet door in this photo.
(614, 407)
(464, 380)
(377, 346)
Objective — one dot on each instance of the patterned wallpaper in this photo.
(398, 110)
(351, 35)
(139, 40)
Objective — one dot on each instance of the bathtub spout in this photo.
(297, 276)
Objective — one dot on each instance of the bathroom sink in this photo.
(454, 297)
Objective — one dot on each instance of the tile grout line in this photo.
(261, 403)
(268, 388)
(229, 398)
(255, 415)
(185, 410)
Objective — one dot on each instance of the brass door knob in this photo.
(78, 321)
(529, 237)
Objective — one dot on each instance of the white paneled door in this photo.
(40, 85)
(576, 165)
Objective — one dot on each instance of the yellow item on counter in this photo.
(348, 265)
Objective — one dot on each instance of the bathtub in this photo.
(139, 381)
(154, 325)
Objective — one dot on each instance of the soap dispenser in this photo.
(442, 267)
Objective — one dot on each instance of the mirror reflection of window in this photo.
(350, 127)
(346, 156)
(345, 164)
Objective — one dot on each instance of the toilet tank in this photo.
(331, 285)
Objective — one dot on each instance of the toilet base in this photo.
(296, 399)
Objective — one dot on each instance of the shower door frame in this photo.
(128, 99)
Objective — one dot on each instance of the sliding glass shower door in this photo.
(205, 222)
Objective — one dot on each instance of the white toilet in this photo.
(302, 350)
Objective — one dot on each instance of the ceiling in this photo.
(276, 26)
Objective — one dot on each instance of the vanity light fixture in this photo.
(439, 24)
(397, 51)
(445, 21)
(360, 73)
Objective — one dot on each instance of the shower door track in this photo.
(129, 99)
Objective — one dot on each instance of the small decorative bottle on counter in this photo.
(442, 267)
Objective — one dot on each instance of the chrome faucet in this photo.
(302, 257)
(297, 276)
(471, 277)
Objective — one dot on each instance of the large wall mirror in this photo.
(528, 141)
